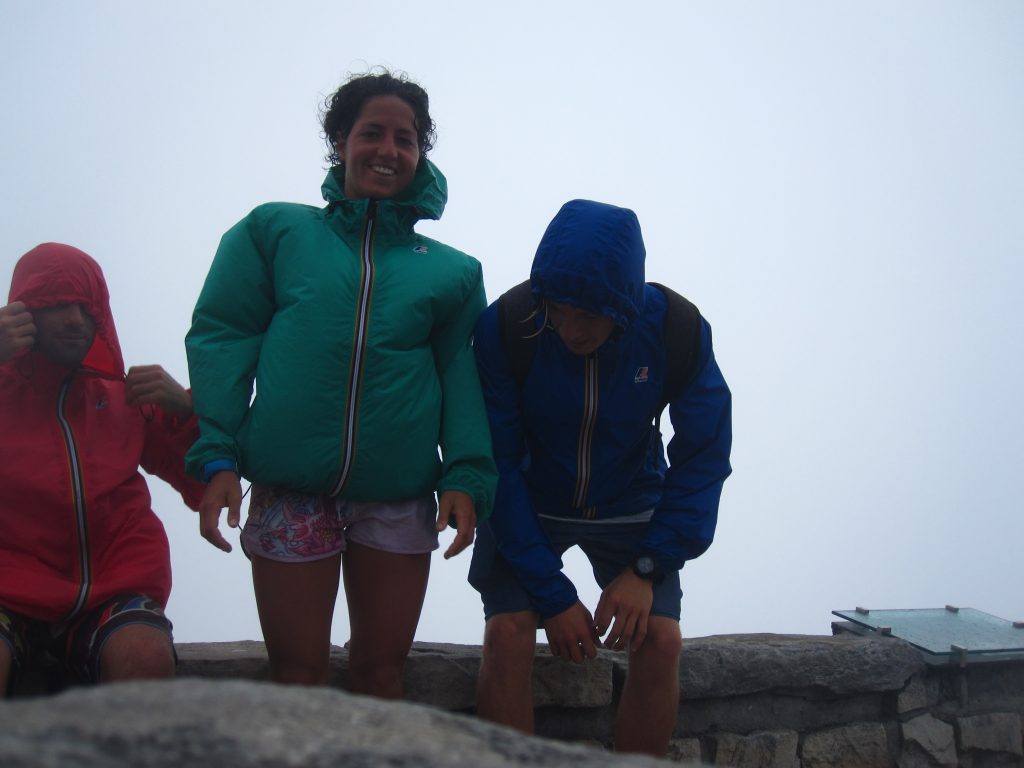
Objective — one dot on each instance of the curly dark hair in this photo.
(341, 109)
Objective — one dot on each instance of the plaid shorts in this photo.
(73, 649)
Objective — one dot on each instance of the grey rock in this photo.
(999, 732)
(914, 696)
(684, 751)
(730, 665)
(775, 749)
(241, 660)
(561, 683)
(440, 674)
(238, 724)
(595, 724)
(777, 711)
(863, 745)
(994, 687)
(933, 737)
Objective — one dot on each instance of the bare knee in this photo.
(505, 682)
(511, 635)
(660, 649)
(375, 675)
(664, 636)
(376, 665)
(289, 671)
(137, 652)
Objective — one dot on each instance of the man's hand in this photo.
(152, 385)
(461, 505)
(627, 600)
(17, 331)
(571, 634)
(223, 490)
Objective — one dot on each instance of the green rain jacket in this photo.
(357, 333)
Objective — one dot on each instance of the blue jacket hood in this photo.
(592, 256)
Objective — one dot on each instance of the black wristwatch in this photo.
(646, 567)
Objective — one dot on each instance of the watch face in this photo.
(645, 564)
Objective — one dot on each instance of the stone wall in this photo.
(762, 701)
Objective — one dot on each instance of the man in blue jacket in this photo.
(581, 462)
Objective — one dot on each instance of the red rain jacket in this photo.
(76, 523)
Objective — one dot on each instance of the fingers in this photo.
(223, 490)
(144, 384)
(571, 634)
(234, 501)
(462, 539)
(622, 632)
(641, 633)
(152, 385)
(588, 644)
(603, 615)
(573, 653)
(461, 505)
(209, 516)
(444, 511)
(571, 649)
(627, 603)
(17, 331)
(582, 646)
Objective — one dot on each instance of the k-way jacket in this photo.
(355, 331)
(580, 440)
(75, 512)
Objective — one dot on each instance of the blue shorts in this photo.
(609, 546)
(72, 650)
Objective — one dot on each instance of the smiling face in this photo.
(64, 333)
(381, 151)
(582, 332)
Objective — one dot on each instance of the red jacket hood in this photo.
(54, 273)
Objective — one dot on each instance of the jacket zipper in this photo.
(586, 438)
(78, 498)
(358, 348)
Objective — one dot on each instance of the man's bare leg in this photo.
(505, 684)
(137, 652)
(649, 705)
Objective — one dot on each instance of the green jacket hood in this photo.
(424, 198)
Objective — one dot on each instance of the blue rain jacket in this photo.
(580, 440)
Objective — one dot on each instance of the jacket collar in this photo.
(425, 197)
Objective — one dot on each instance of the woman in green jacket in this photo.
(356, 332)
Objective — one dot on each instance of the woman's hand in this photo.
(152, 385)
(223, 490)
(461, 505)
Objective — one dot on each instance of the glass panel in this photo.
(936, 630)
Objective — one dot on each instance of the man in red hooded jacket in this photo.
(84, 562)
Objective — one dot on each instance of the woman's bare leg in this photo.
(296, 606)
(385, 594)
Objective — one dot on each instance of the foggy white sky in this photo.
(838, 187)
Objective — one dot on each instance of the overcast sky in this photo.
(838, 186)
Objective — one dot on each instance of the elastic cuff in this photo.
(218, 465)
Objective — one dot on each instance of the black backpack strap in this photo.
(682, 341)
(682, 336)
(515, 306)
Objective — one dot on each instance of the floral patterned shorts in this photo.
(297, 527)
